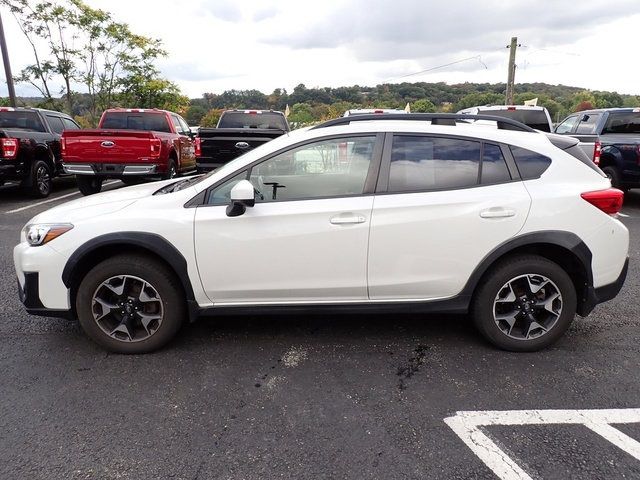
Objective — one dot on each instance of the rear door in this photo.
(187, 150)
(443, 203)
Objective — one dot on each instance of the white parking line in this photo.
(33, 205)
(623, 215)
(467, 426)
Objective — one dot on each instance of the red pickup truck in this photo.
(129, 144)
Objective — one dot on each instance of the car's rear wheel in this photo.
(130, 304)
(524, 304)
(40, 183)
(613, 174)
(89, 185)
(172, 170)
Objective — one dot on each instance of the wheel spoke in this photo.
(146, 319)
(144, 297)
(119, 290)
(106, 307)
(122, 328)
(534, 326)
(510, 318)
(511, 296)
(547, 303)
(535, 288)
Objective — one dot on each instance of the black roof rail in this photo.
(436, 119)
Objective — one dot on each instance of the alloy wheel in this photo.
(127, 308)
(527, 306)
(43, 179)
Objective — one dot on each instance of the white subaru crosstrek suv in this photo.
(418, 212)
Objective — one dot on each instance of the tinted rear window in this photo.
(156, 122)
(22, 120)
(252, 120)
(530, 164)
(623, 123)
(533, 118)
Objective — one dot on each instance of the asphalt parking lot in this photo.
(315, 396)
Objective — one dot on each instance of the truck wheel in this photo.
(524, 304)
(132, 180)
(171, 170)
(89, 185)
(130, 304)
(613, 175)
(40, 183)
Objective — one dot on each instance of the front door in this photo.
(305, 240)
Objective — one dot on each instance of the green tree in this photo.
(194, 114)
(476, 99)
(423, 106)
(301, 114)
(211, 118)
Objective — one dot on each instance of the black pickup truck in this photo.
(611, 137)
(237, 132)
(30, 147)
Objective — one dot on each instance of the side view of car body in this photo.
(385, 215)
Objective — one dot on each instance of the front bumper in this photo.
(110, 169)
(595, 296)
(30, 297)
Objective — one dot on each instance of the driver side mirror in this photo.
(242, 196)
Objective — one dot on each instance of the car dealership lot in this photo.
(312, 396)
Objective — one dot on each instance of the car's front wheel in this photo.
(524, 304)
(130, 304)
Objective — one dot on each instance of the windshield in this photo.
(23, 120)
(628, 122)
(533, 118)
(148, 121)
(269, 120)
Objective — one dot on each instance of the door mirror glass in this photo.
(242, 196)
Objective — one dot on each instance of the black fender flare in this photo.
(566, 240)
(154, 243)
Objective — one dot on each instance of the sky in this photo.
(217, 45)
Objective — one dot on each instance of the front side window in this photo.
(567, 125)
(328, 168)
(421, 163)
(221, 195)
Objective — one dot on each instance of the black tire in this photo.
(132, 180)
(172, 170)
(146, 269)
(39, 182)
(88, 185)
(615, 177)
(496, 282)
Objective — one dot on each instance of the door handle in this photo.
(497, 212)
(347, 218)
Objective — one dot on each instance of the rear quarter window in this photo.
(530, 164)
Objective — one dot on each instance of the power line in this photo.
(475, 57)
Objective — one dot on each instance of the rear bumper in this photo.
(595, 296)
(110, 169)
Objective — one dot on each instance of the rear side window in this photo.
(69, 124)
(156, 122)
(430, 163)
(266, 120)
(588, 123)
(530, 164)
(494, 167)
(55, 123)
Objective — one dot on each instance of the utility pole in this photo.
(7, 65)
(511, 79)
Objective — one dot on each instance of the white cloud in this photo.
(215, 45)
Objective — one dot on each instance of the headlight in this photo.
(41, 233)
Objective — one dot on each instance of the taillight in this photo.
(597, 149)
(378, 111)
(198, 147)
(9, 147)
(609, 200)
(63, 146)
(155, 145)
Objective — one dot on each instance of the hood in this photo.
(98, 204)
